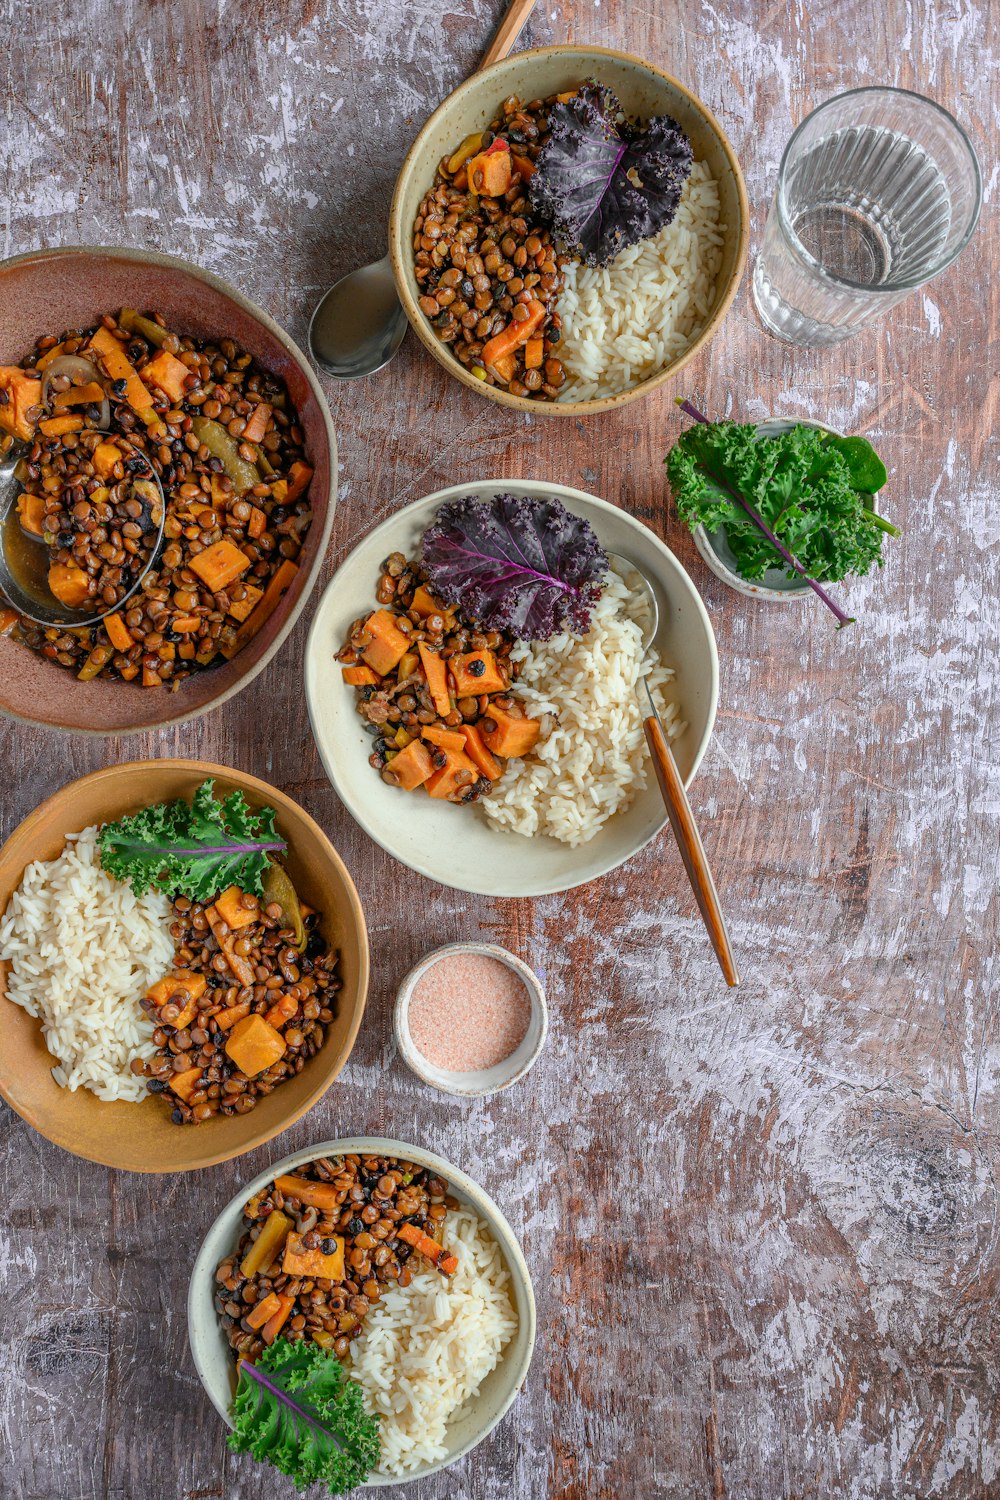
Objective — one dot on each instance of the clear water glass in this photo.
(878, 191)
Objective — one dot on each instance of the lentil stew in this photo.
(222, 438)
(319, 1246)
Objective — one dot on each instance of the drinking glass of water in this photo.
(878, 190)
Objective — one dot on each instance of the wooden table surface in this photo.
(762, 1227)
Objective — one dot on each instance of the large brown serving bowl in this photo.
(48, 291)
(643, 90)
(140, 1137)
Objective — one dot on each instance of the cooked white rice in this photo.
(592, 758)
(623, 322)
(428, 1347)
(83, 950)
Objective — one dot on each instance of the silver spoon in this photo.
(23, 558)
(360, 323)
(672, 787)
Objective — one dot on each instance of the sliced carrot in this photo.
(477, 750)
(437, 679)
(60, 426)
(523, 166)
(533, 351)
(130, 672)
(226, 1019)
(272, 597)
(434, 1252)
(264, 1309)
(513, 336)
(447, 739)
(44, 360)
(90, 394)
(281, 1012)
(239, 966)
(321, 1195)
(274, 1324)
(118, 633)
(119, 367)
(256, 423)
(185, 624)
(359, 676)
(257, 524)
(299, 476)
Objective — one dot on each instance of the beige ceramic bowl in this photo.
(480, 1414)
(455, 845)
(644, 91)
(140, 1137)
(51, 290)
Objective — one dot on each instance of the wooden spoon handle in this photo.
(689, 842)
(509, 30)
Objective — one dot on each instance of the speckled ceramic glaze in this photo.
(480, 1414)
(644, 91)
(774, 585)
(51, 290)
(140, 1137)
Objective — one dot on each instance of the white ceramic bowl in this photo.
(484, 1080)
(455, 845)
(213, 1357)
(774, 585)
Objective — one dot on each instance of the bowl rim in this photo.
(567, 494)
(414, 1058)
(208, 1158)
(254, 310)
(798, 593)
(485, 1206)
(399, 246)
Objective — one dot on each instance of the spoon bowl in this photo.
(359, 324)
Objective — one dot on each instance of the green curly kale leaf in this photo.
(195, 848)
(813, 491)
(297, 1409)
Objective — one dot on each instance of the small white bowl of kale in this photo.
(781, 508)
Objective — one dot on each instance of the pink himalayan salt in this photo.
(468, 1011)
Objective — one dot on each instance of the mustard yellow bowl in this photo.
(643, 91)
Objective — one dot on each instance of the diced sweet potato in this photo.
(282, 1011)
(412, 766)
(184, 1084)
(425, 604)
(523, 166)
(298, 1261)
(22, 393)
(447, 739)
(31, 512)
(69, 584)
(242, 608)
(321, 1195)
(511, 735)
(181, 981)
(476, 672)
(453, 778)
(299, 476)
(226, 1019)
(257, 524)
(219, 565)
(490, 173)
(232, 910)
(256, 423)
(477, 750)
(437, 679)
(118, 368)
(264, 609)
(359, 676)
(388, 643)
(167, 374)
(106, 455)
(253, 1045)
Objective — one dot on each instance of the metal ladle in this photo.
(36, 602)
(672, 787)
(360, 323)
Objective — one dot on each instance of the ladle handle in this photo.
(689, 843)
(508, 31)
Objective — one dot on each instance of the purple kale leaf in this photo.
(516, 563)
(605, 183)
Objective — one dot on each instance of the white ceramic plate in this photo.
(480, 1414)
(455, 845)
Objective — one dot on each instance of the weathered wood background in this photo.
(763, 1229)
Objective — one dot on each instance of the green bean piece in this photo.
(134, 322)
(225, 448)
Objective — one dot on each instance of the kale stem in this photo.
(817, 588)
(882, 523)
